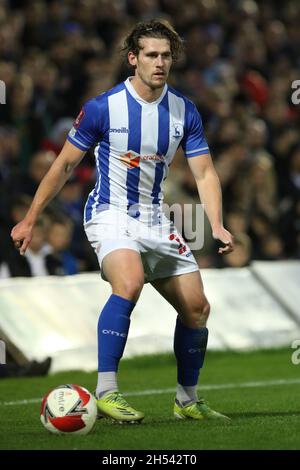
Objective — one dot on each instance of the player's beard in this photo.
(154, 83)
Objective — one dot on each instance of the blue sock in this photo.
(113, 327)
(189, 348)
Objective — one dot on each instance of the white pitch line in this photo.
(265, 383)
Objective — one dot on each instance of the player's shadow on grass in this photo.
(183, 422)
(178, 422)
(147, 422)
(233, 416)
(261, 414)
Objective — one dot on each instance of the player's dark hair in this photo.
(160, 29)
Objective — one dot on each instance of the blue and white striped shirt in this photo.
(135, 144)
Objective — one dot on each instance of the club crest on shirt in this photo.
(79, 119)
(177, 130)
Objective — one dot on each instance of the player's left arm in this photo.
(209, 189)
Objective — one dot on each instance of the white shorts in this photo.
(163, 251)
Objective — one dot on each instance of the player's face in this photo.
(153, 62)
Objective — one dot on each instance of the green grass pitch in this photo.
(259, 390)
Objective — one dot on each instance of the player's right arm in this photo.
(59, 172)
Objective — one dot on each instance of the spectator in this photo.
(36, 260)
(59, 238)
(239, 65)
(31, 369)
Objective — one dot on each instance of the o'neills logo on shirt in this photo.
(119, 130)
(132, 159)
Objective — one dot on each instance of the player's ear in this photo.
(132, 59)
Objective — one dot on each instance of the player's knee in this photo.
(205, 310)
(200, 314)
(129, 289)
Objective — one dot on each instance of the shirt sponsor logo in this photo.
(132, 159)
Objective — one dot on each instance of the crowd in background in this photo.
(241, 58)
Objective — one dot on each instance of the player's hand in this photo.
(22, 235)
(225, 237)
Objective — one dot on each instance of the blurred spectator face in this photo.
(260, 226)
(257, 133)
(205, 261)
(47, 78)
(72, 191)
(285, 140)
(61, 53)
(242, 253)
(277, 112)
(280, 87)
(295, 162)
(19, 208)
(275, 35)
(35, 13)
(145, 8)
(84, 13)
(10, 144)
(272, 247)
(260, 171)
(35, 63)
(60, 131)
(238, 151)
(193, 81)
(236, 222)
(38, 239)
(188, 181)
(218, 102)
(7, 72)
(22, 92)
(56, 10)
(255, 53)
(7, 40)
(59, 235)
(229, 131)
(40, 164)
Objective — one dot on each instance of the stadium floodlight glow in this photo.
(54, 342)
(2, 92)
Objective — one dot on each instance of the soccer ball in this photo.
(69, 409)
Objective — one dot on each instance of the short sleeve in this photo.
(193, 142)
(86, 131)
